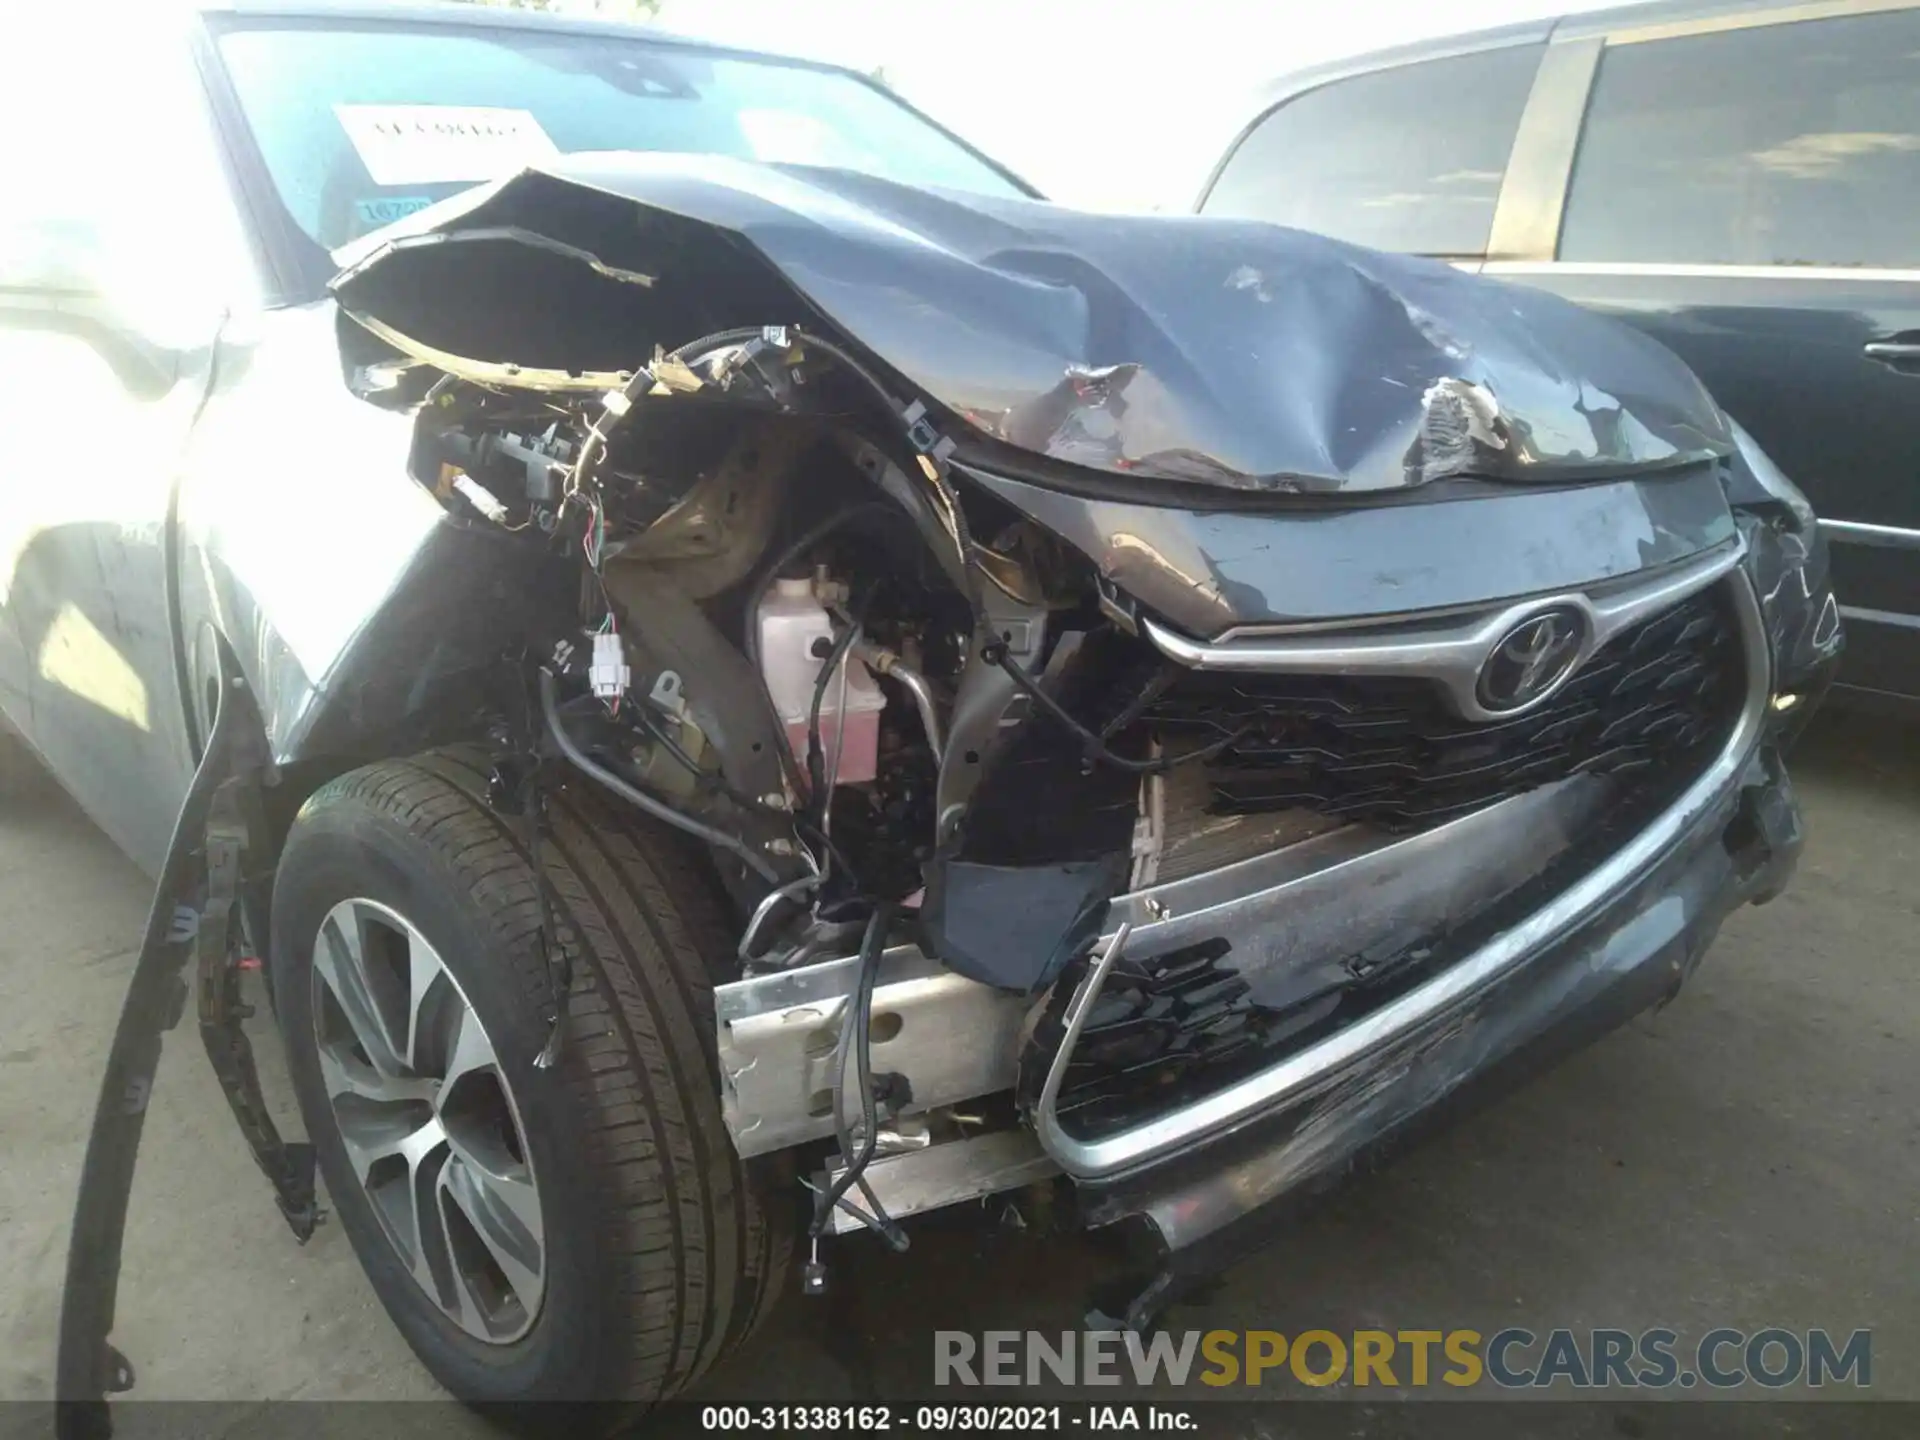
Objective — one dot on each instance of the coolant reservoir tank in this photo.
(792, 622)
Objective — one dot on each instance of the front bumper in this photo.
(1209, 1201)
(1619, 940)
(1423, 886)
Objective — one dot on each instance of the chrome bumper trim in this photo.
(1446, 990)
(1859, 532)
(955, 1039)
(1450, 651)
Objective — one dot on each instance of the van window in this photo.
(1792, 144)
(1404, 159)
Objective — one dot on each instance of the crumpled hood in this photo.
(1222, 352)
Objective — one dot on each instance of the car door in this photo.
(114, 268)
(1747, 190)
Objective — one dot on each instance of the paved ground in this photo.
(1749, 1156)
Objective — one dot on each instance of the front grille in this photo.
(1387, 750)
(1170, 1028)
(1159, 1027)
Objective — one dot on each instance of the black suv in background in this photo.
(1741, 181)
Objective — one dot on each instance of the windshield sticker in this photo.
(429, 144)
(376, 210)
(782, 137)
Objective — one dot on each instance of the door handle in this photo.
(1899, 353)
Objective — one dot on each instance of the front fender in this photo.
(364, 616)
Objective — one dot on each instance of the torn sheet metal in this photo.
(1790, 570)
(1187, 348)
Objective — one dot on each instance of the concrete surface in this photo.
(1749, 1156)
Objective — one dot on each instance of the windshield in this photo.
(362, 124)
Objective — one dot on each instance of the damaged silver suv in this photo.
(751, 677)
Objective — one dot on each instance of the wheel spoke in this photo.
(471, 1052)
(345, 1075)
(466, 1304)
(505, 1213)
(400, 1164)
(339, 958)
(423, 971)
(430, 1127)
(508, 1186)
(375, 1133)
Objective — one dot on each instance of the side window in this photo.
(1404, 159)
(1793, 144)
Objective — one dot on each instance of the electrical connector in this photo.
(813, 1274)
(934, 447)
(481, 498)
(609, 674)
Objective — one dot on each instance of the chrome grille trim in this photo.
(1450, 652)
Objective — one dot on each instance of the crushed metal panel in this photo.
(1216, 352)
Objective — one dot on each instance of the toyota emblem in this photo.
(1530, 661)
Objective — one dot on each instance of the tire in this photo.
(660, 1250)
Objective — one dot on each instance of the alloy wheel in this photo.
(428, 1119)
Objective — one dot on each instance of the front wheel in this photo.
(580, 1232)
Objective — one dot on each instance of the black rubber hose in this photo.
(808, 831)
(859, 368)
(816, 752)
(962, 536)
(736, 336)
(659, 809)
(996, 654)
(875, 1216)
(872, 944)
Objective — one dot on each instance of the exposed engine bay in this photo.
(776, 624)
(800, 644)
(971, 653)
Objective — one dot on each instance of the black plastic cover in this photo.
(1015, 927)
(1190, 348)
